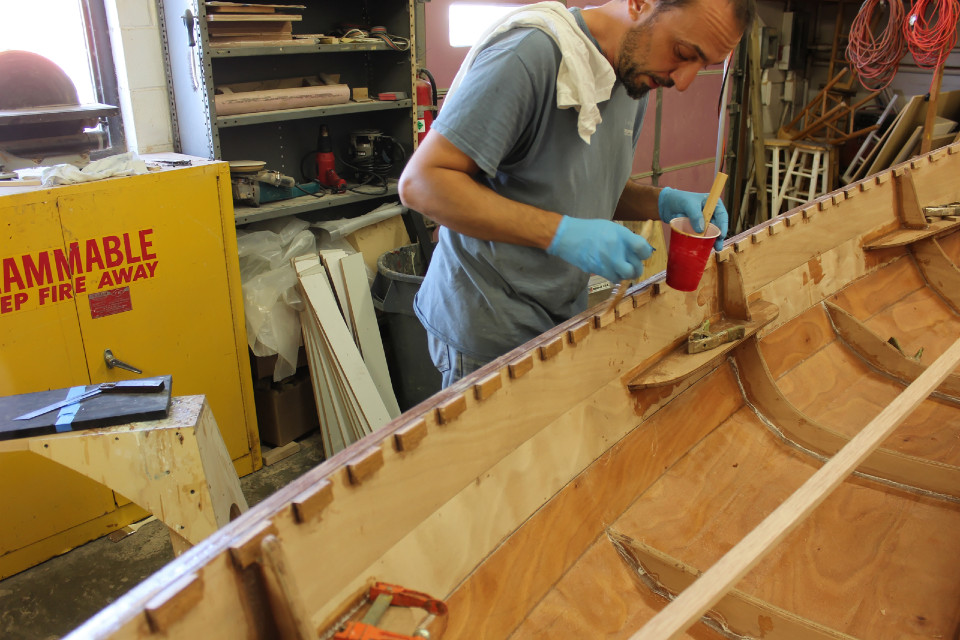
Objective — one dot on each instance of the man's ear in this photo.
(636, 8)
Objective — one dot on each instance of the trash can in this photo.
(399, 274)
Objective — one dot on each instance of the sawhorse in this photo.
(177, 468)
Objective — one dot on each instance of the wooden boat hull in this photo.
(569, 488)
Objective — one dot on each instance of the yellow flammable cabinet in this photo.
(145, 267)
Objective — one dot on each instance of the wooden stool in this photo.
(777, 168)
(808, 173)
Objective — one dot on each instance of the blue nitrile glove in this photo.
(674, 203)
(601, 247)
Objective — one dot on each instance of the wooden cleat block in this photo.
(520, 367)
(365, 465)
(311, 503)
(488, 386)
(450, 410)
(551, 349)
(409, 437)
(577, 334)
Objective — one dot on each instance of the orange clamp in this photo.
(399, 597)
(361, 631)
(403, 597)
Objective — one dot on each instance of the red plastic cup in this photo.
(687, 254)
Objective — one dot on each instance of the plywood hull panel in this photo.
(503, 494)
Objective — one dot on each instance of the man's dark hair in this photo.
(743, 10)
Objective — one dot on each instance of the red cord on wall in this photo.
(876, 58)
(931, 31)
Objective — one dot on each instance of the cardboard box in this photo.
(263, 366)
(285, 410)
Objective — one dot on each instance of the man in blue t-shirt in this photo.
(530, 159)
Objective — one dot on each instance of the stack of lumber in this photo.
(348, 368)
(901, 141)
(244, 22)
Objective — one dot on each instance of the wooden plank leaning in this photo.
(690, 605)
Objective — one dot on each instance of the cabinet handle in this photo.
(113, 362)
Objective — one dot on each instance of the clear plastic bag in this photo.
(271, 300)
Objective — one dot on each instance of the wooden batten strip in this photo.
(740, 246)
(450, 410)
(809, 212)
(490, 385)
(866, 185)
(521, 366)
(364, 465)
(937, 154)
(775, 228)
(884, 177)
(246, 550)
(762, 392)
(725, 254)
(310, 504)
(741, 613)
(939, 271)
(172, 604)
(825, 204)
(409, 437)
(794, 219)
(837, 198)
(880, 353)
(758, 236)
(289, 613)
(578, 334)
(680, 614)
(555, 346)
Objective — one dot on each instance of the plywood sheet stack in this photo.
(351, 382)
(240, 21)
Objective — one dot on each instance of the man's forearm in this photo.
(638, 202)
(447, 194)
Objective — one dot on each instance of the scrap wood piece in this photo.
(680, 614)
(324, 408)
(219, 6)
(363, 318)
(331, 261)
(351, 375)
(257, 17)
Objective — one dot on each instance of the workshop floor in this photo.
(50, 600)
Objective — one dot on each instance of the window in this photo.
(468, 21)
(73, 34)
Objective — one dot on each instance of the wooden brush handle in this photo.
(718, 183)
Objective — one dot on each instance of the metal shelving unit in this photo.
(307, 204)
(284, 139)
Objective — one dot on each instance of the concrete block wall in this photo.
(141, 77)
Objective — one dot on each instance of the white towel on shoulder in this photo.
(585, 78)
